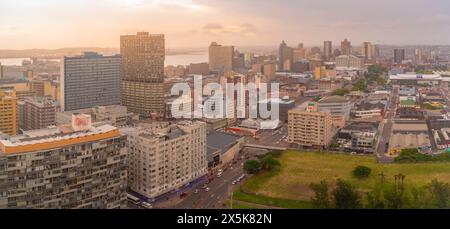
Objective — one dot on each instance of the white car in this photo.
(207, 190)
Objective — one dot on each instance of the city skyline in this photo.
(195, 23)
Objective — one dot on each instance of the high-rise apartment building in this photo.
(74, 166)
(399, 56)
(308, 127)
(8, 111)
(164, 157)
(90, 80)
(327, 50)
(220, 58)
(346, 47)
(143, 58)
(285, 57)
(39, 113)
(418, 55)
(367, 51)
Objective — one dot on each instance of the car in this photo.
(196, 191)
(207, 189)
(234, 182)
(146, 205)
(219, 174)
(204, 186)
(220, 170)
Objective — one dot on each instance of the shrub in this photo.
(361, 172)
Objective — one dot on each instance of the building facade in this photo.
(346, 47)
(348, 61)
(143, 57)
(327, 50)
(9, 119)
(165, 157)
(285, 57)
(90, 80)
(220, 58)
(39, 113)
(399, 56)
(63, 168)
(309, 127)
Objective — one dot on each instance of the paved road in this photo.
(220, 190)
(387, 126)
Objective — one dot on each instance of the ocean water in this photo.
(181, 59)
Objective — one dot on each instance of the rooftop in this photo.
(334, 99)
(54, 137)
(221, 141)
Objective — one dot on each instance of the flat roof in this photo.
(221, 141)
(52, 138)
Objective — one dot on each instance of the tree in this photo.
(395, 198)
(361, 172)
(321, 197)
(440, 192)
(375, 200)
(252, 166)
(268, 162)
(341, 91)
(345, 196)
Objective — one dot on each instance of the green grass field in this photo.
(288, 185)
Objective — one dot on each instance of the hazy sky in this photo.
(195, 23)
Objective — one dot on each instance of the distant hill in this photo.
(53, 53)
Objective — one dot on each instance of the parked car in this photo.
(204, 186)
(196, 191)
(207, 190)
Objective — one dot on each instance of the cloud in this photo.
(219, 29)
(161, 4)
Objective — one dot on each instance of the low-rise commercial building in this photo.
(114, 115)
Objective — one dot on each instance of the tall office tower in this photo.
(286, 57)
(399, 56)
(367, 51)
(327, 50)
(165, 157)
(376, 52)
(220, 58)
(39, 113)
(346, 47)
(8, 112)
(418, 55)
(308, 127)
(74, 166)
(299, 53)
(143, 58)
(1, 71)
(90, 80)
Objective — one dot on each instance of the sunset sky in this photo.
(195, 23)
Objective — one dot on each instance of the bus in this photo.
(133, 198)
